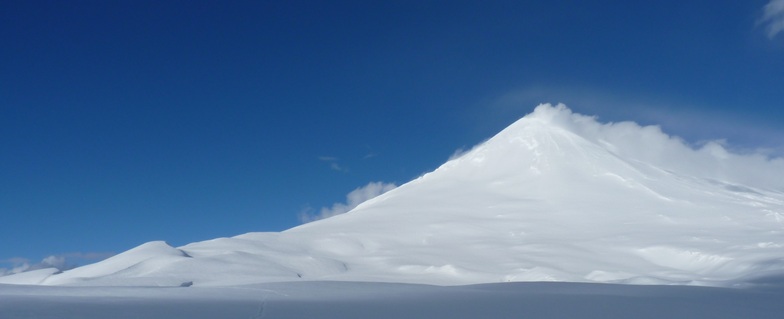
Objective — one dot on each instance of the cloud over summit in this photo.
(649, 144)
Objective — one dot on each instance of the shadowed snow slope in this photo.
(556, 196)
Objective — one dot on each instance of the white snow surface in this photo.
(556, 196)
(362, 300)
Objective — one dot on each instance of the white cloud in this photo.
(463, 150)
(697, 123)
(353, 199)
(60, 262)
(773, 18)
(459, 152)
(333, 163)
(337, 167)
(54, 262)
(649, 144)
(20, 265)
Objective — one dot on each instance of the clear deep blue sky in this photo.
(123, 122)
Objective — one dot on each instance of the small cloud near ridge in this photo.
(20, 265)
(60, 262)
(353, 199)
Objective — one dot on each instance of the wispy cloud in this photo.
(334, 163)
(60, 262)
(353, 199)
(336, 167)
(773, 18)
(651, 145)
(462, 151)
(20, 265)
(369, 153)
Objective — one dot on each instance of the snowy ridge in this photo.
(556, 196)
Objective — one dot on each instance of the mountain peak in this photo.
(556, 196)
(559, 115)
(632, 142)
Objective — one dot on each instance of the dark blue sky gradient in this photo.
(129, 121)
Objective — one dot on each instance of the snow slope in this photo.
(556, 196)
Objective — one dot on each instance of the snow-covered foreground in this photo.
(344, 300)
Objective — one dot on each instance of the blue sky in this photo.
(129, 121)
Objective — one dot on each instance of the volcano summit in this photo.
(556, 196)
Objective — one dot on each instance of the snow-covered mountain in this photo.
(556, 196)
